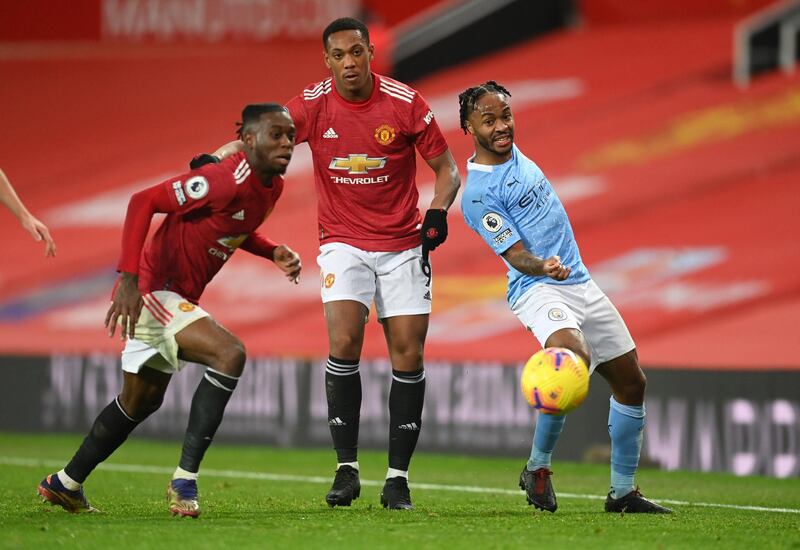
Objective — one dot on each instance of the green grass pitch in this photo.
(258, 497)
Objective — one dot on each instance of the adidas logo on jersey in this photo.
(337, 422)
(412, 427)
(239, 215)
(427, 296)
(330, 134)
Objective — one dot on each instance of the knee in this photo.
(573, 340)
(632, 391)
(345, 345)
(232, 358)
(407, 357)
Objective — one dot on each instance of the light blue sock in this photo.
(548, 428)
(625, 425)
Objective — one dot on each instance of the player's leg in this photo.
(345, 322)
(617, 361)
(551, 313)
(403, 304)
(348, 287)
(142, 394)
(626, 419)
(207, 343)
(405, 337)
(535, 478)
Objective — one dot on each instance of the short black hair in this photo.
(468, 98)
(251, 114)
(344, 24)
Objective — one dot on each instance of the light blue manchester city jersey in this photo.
(512, 202)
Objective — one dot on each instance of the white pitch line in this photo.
(265, 476)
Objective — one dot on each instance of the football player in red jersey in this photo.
(211, 212)
(363, 129)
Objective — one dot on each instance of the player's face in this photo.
(272, 144)
(492, 124)
(348, 55)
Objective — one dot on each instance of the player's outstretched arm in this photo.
(230, 148)
(448, 181)
(29, 222)
(525, 261)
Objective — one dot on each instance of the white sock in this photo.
(180, 473)
(67, 481)
(391, 472)
(353, 465)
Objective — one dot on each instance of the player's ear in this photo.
(470, 129)
(325, 58)
(371, 51)
(249, 140)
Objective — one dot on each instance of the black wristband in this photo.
(201, 160)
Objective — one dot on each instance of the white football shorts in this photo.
(394, 280)
(163, 316)
(546, 308)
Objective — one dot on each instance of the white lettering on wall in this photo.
(215, 20)
(666, 431)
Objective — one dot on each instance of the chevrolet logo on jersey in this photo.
(232, 242)
(357, 164)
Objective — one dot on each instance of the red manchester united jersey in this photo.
(216, 209)
(364, 161)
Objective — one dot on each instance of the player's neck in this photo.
(490, 158)
(360, 95)
(264, 177)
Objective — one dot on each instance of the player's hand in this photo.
(126, 306)
(39, 232)
(554, 269)
(201, 160)
(288, 261)
(434, 229)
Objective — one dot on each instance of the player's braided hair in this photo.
(467, 98)
(251, 114)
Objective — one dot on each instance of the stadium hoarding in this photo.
(746, 423)
(195, 21)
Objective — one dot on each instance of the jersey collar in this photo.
(358, 104)
(472, 165)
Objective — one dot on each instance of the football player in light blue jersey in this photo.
(510, 203)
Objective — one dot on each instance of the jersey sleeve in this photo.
(297, 110)
(204, 187)
(141, 208)
(428, 137)
(490, 219)
(209, 186)
(260, 245)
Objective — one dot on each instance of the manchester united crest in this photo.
(384, 134)
(329, 280)
(186, 307)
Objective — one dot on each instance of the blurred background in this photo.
(669, 128)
